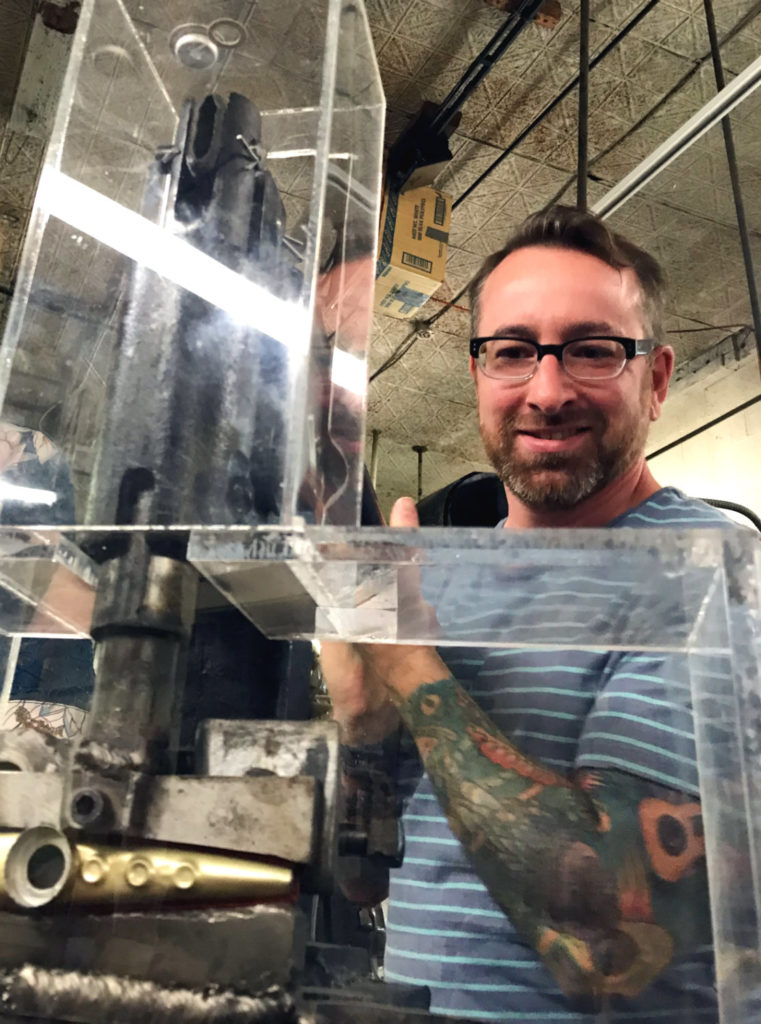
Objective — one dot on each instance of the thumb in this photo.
(404, 513)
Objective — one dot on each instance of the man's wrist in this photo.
(402, 669)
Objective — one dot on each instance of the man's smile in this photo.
(552, 439)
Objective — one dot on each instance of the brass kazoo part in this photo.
(136, 875)
(35, 864)
(39, 867)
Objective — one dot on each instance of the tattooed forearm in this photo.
(603, 875)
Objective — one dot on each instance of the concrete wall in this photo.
(725, 460)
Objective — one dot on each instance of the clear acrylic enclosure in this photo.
(690, 600)
(199, 264)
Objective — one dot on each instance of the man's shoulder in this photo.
(669, 507)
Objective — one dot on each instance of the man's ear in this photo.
(661, 369)
(473, 369)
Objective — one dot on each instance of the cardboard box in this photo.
(412, 250)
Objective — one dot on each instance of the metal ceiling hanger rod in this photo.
(583, 127)
(734, 178)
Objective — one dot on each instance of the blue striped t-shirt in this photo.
(569, 709)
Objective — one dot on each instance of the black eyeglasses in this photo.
(595, 358)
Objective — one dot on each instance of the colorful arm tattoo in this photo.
(604, 875)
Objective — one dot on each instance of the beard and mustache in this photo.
(561, 480)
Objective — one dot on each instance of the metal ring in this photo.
(216, 30)
(36, 866)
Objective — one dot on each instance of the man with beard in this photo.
(554, 858)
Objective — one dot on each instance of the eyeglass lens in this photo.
(508, 357)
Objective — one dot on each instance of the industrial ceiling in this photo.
(656, 77)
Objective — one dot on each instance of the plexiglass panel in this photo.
(403, 586)
(198, 268)
(682, 609)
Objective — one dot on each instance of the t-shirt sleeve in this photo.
(641, 720)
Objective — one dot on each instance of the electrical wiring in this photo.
(421, 327)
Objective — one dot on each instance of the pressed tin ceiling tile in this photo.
(659, 22)
(608, 126)
(633, 101)
(456, 320)
(394, 86)
(462, 266)
(386, 13)
(421, 21)
(438, 75)
(20, 156)
(737, 53)
(12, 227)
(554, 148)
(564, 41)
(623, 60)
(402, 55)
(461, 231)
(690, 39)
(473, 119)
(663, 69)
(627, 153)
(729, 12)
(617, 12)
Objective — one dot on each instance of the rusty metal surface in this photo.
(30, 798)
(287, 749)
(260, 815)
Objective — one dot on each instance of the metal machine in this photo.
(146, 878)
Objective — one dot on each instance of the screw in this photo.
(88, 807)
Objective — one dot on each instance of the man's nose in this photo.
(550, 388)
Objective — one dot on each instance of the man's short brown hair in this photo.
(565, 227)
